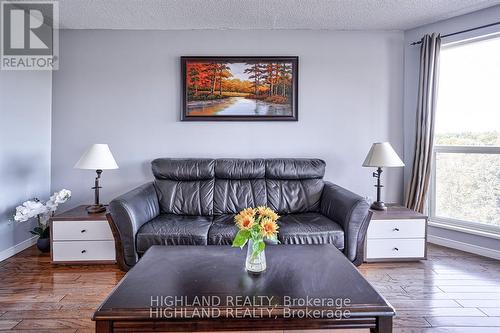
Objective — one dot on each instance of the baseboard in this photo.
(7, 253)
(466, 247)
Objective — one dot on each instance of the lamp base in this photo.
(378, 205)
(95, 209)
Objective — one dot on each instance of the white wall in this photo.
(25, 122)
(476, 19)
(123, 88)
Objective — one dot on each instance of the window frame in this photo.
(475, 228)
(451, 223)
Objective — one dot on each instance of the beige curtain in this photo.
(426, 109)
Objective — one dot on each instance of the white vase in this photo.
(255, 264)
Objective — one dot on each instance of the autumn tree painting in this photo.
(239, 87)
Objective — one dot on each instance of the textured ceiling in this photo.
(261, 14)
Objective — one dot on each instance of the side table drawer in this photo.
(396, 229)
(81, 230)
(395, 248)
(83, 251)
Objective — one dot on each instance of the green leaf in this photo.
(258, 247)
(255, 231)
(34, 233)
(241, 238)
(245, 233)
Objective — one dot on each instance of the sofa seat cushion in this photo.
(171, 229)
(223, 230)
(310, 228)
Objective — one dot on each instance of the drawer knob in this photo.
(395, 249)
(84, 251)
(395, 229)
(83, 230)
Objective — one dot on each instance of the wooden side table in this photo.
(397, 234)
(79, 237)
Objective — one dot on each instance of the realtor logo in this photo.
(29, 36)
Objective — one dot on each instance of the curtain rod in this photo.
(462, 31)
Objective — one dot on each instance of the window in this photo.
(465, 190)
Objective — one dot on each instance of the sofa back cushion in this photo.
(185, 186)
(226, 186)
(294, 185)
(239, 183)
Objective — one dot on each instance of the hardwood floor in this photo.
(452, 292)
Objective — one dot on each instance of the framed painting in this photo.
(239, 88)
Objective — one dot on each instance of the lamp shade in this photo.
(97, 157)
(382, 154)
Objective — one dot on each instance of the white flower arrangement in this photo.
(36, 208)
(58, 198)
(28, 210)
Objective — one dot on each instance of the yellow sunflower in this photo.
(267, 212)
(248, 212)
(268, 228)
(245, 222)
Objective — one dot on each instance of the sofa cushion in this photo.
(295, 168)
(310, 228)
(184, 186)
(183, 168)
(294, 185)
(239, 184)
(185, 197)
(235, 168)
(171, 229)
(223, 230)
(294, 196)
(233, 195)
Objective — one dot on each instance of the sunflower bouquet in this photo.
(256, 224)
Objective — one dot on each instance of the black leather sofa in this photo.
(193, 202)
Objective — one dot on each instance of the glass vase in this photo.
(255, 264)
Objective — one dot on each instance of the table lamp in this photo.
(381, 155)
(98, 157)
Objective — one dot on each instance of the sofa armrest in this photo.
(127, 213)
(352, 212)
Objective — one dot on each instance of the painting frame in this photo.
(293, 90)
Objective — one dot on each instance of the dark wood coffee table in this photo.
(206, 288)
